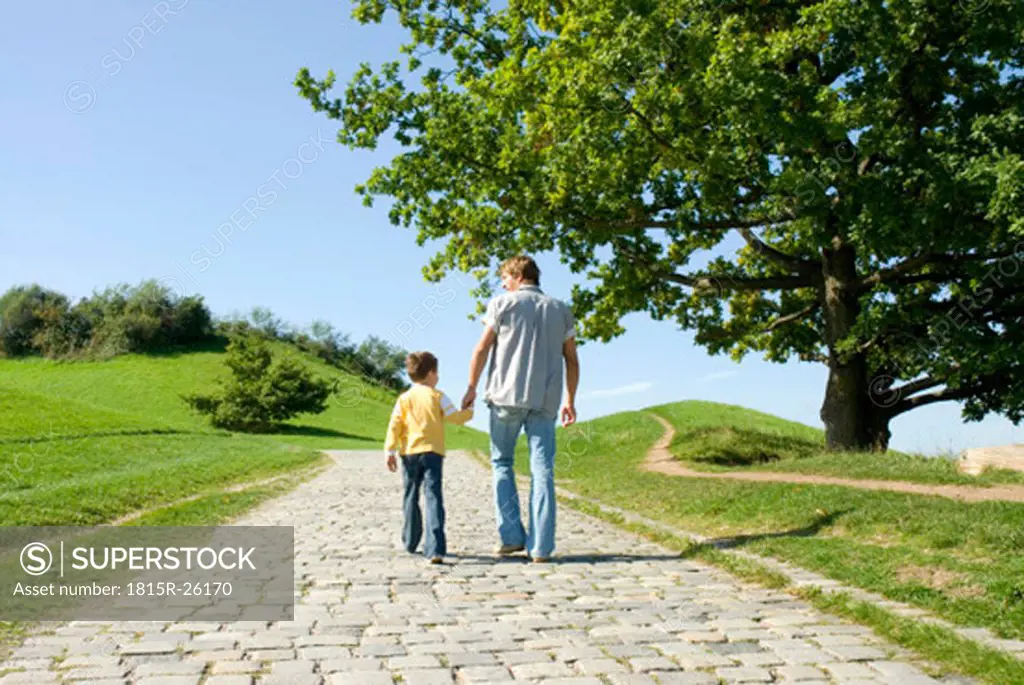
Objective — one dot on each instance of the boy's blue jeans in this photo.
(506, 425)
(423, 469)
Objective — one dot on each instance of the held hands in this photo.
(469, 398)
(568, 414)
(392, 462)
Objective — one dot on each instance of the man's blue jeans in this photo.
(506, 425)
(425, 469)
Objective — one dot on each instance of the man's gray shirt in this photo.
(526, 363)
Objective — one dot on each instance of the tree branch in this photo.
(704, 282)
(791, 317)
(914, 387)
(711, 225)
(949, 394)
(795, 264)
(895, 273)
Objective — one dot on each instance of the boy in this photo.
(416, 432)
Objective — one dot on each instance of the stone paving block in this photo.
(797, 674)
(472, 675)
(180, 668)
(228, 680)
(101, 673)
(686, 678)
(461, 659)
(84, 661)
(235, 667)
(630, 651)
(701, 660)
(646, 664)
(631, 679)
(744, 674)
(428, 676)
(849, 671)
(600, 666)
(905, 674)
(30, 678)
(761, 659)
(149, 647)
(271, 655)
(552, 669)
(418, 662)
(169, 680)
(528, 657)
(802, 657)
(350, 665)
(571, 654)
(705, 636)
(856, 653)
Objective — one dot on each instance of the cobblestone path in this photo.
(612, 609)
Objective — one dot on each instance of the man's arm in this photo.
(572, 380)
(476, 364)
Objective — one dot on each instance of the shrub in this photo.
(24, 312)
(261, 392)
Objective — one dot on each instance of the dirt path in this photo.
(660, 460)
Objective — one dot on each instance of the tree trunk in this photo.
(878, 433)
(851, 421)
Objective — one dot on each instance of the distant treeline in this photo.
(150, 318)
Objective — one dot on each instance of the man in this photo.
(530, 334)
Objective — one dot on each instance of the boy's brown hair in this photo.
(521, 266)
(419, 365)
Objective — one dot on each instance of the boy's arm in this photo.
(453, 415)
(396, 430)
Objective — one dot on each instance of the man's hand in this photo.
(469, 398)
(568, 414)
(392, 462)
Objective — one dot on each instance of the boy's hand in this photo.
(392, 462)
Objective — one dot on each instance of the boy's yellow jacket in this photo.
(417, 422)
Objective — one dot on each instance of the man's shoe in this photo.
(505, 550)
(540, 560)
(436, 560)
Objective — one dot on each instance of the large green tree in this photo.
(867, 154)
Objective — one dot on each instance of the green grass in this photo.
(89, 442)
(720, 437)
(964, 562)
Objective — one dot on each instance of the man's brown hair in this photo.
(419, 365)
(521, 266)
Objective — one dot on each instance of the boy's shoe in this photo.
(437, 559)
(504, 550)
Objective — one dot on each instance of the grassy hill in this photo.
(89, 442)
(720, 437)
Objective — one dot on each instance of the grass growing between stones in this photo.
(963, 562)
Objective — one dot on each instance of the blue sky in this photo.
(134, 131)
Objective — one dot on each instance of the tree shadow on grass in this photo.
(317, 432)
(55, 437)
(731, 446)
(820, 523)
